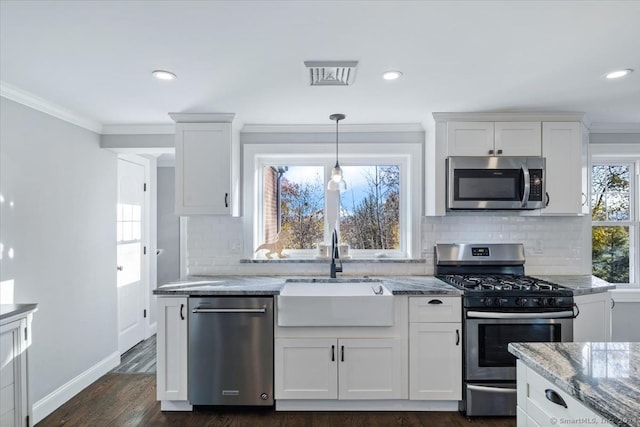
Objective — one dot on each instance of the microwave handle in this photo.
(527, 186)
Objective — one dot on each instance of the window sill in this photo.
(325, 261)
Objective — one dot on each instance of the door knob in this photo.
(120, 268)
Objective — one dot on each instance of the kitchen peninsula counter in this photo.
(603, 376)
(271, 285)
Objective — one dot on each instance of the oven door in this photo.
(487, 335)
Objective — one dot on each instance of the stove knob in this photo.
(551, 302)
(521, 301)
(487, 301)
(538, 301)
(501, 301)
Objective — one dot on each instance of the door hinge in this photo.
(144, 251)
(26, 337)
(144, 187)
(27, 424)
(144, 313)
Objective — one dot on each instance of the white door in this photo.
(370, 368)
(130, 281)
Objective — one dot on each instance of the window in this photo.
(615, 222)
(288, 200)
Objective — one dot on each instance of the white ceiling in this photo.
(95, 58)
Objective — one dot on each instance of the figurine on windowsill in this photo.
(275, 247)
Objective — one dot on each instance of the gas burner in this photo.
(499, 282)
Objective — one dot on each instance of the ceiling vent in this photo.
(331, 73)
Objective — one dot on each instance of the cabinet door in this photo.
(13, 374)
(306, 368)
(370, 368)
(172, 349)
(518, 138)
(203, 168)
(435, 361)
(593, 321)
(562, 147)
(469, 138)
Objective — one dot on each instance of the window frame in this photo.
(634, 206)
(407, 155)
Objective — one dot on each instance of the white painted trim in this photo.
(175, 405)
(331, 128)
(563, 116)
(139, 129)
(183, 248)
(614, 128)
(367, 405)
(153, 328)
(614, 150)
(202, 117)
(40, 104)
(65, 392)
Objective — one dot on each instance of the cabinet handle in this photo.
(584, 199)
(554, 397)
(577, 311)
(613, 303)
(457, 336)
(182, 311)
(490, 151)
(548, 199)
(333, 353)
(342, 353)
(499, 151)
(226, 200)
(435, 301)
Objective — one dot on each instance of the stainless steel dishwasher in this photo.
(231, 351)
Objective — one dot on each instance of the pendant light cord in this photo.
(337, 121)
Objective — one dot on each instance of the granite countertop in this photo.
(605, 377)
(10, 311)
(581, 285)
(271, 285)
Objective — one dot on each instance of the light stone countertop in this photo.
(605, 377)
(9, 312)
(271, 285)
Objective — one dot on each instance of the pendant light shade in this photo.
(336, 182)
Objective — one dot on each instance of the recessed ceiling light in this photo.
(391, 75)
(163, 75)
(618, 74)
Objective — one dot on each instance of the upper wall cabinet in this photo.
(207, 164)
(494, 138)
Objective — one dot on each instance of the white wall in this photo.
(168, 228)
(61, 228)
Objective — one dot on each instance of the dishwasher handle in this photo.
(229, 310)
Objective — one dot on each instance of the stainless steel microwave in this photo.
(495, 183)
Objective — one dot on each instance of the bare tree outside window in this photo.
(610, 203)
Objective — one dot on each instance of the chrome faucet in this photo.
(335, 255)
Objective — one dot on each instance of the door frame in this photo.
(148, 266)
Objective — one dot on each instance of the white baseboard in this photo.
(367, 405)
(62, 394)
(175, 405)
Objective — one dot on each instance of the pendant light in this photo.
(336, 182)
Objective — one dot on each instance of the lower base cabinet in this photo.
(537, 405)
(172, 349)
(14, 403)
(345, 368)
(593, 322)
(435, 361)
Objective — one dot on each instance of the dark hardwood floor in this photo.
(140, 359)
(129, 399)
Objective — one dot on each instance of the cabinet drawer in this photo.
(435, 309)
(544, 411)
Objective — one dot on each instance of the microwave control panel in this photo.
(535, 179)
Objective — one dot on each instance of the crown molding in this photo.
(331, 128)
(614, 128)
(139, 129)
(550, 116)
(40, 104)
(202, 117)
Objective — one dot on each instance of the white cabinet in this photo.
(15, 337)
(435, 348)
(345, 368)
(207, 164)
(537, 405)
(625, 314)
(564, 148)
(172, 350)
(493, 139)
(593, 321)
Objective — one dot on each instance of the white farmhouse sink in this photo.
(335, 302)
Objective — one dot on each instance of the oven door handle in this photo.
(496, 315)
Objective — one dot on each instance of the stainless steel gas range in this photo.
(500, 305)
